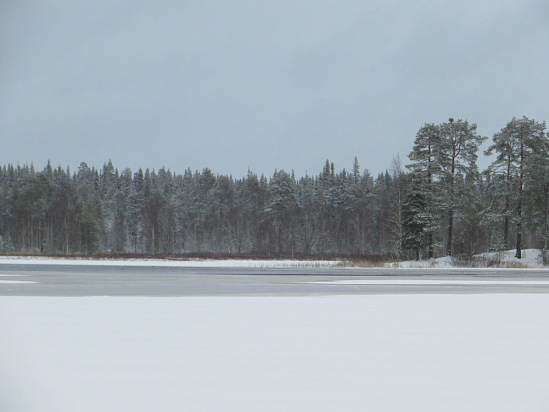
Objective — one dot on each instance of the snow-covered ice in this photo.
(16, 281)
(13, 281)
(345, 353)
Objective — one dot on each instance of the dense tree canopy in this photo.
(443, 205)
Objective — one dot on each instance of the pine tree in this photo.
(521, 147)
(456, 152)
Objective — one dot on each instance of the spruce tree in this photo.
(415, 221)
(424, 169)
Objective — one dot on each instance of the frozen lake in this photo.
(116, 338)
(87, 280)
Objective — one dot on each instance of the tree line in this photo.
(438, 204)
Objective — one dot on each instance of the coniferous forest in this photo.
(438, 204)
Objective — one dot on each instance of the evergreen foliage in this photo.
(443, 205)
(522, 156)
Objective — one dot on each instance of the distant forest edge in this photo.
(438, 204)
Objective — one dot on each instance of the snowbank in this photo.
(531, 259)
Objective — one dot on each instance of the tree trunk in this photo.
(66, 236)
(430, 253)
(518, 254)
(546, 220)
(152, 239)
(506, 232)
(507, 205)
(451, 209)
(450, 232)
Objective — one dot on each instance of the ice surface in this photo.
(16, 281)
(344, 353)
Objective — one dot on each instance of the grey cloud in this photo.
(262, 85)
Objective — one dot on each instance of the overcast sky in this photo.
(238, 85)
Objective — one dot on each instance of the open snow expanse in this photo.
(483, 352)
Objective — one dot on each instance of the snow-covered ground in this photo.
(345, 353)
(214, 263)
(531, 258)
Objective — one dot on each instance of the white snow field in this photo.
(341, 353)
